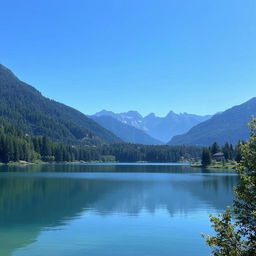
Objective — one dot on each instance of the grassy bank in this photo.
(231, 165)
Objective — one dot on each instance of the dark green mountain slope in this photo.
(228, 126)
(126, 132)
(25, 107)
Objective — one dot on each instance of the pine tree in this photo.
(206, 157)
(215, 148)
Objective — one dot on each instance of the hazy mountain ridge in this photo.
(228, 126)
(132, 118)
(160, 128)
(26, 108)
(124, 131)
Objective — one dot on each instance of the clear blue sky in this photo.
(196, 56)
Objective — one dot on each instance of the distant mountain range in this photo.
(124, 131)
(162, 129)
(26, 108)
(228, 126)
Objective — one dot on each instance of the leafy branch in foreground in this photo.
(238, 237)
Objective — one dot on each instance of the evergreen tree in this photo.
(215, 148)
(227, 151)
(206, 157)
(15, 146)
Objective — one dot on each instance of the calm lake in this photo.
(109, 210)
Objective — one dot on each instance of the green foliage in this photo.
(16, 146)
(231, 154)
(206, 157)
(108, 159)
(126, 152)
(228, 241)
(238, 238)
(215, 148)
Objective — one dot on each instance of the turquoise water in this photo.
(114, 210)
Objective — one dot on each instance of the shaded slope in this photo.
(26, 108)
(228, 126)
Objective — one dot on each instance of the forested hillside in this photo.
(125, 152)
(16, 146)
(229, 126)
(35, 128)
(25, 107)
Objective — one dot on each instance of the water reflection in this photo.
(149, 168)
(37, 200)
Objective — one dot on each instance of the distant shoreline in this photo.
(231, 165)
(24, 163)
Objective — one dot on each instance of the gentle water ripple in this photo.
(61, 210)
